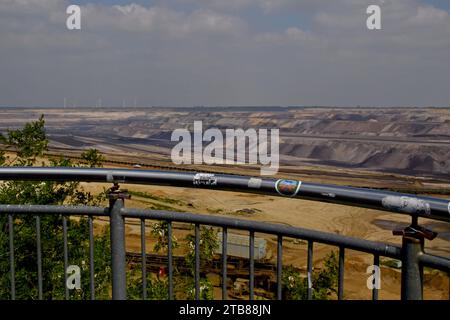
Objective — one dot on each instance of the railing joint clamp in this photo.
(115, 193)
(415, 232)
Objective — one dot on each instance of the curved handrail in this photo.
(427, 207)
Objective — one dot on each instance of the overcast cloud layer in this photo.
(225, 52)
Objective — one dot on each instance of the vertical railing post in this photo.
(118, 251)
(412, 272)
(412, 248)
(12, 269)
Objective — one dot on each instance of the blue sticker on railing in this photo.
(288, 188)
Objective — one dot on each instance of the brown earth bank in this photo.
(409, 141)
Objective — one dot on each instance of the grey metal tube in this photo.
(91, 259)
(435, 262)
(144, 260)
(12, 272)
(170, 259)
(118, 251)
(66, 257)
(53, 210)
(310, 268)
(224, 262)
(279, 265)
(381, 200)
(341, 272)
(39, 256)
(412, 271)
(197, 262)
(376, 262)
(252, 265)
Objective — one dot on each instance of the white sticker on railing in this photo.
(406, 204)
(328, 194)
(254, 183)
(206, 179)
(111, 178)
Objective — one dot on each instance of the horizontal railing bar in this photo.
(52, 210)
(360, 197)
(286, 231)
(435, 262)
(317, 236)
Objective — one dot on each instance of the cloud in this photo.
(291, 36)
(429, 16)
(136, 18)
(191, 52)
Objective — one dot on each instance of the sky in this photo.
(225, 52)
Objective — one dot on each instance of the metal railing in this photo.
(411, 253)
